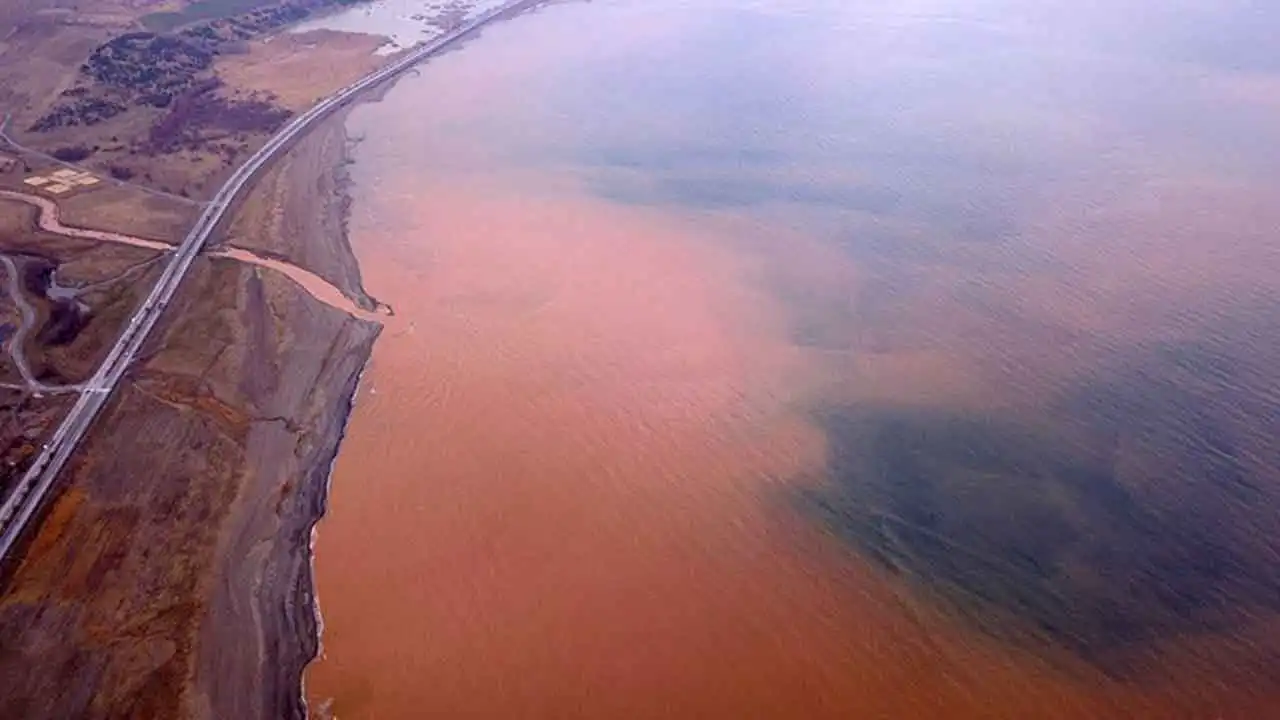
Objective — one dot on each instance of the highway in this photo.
(25, 499)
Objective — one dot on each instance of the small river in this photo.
(818, 359)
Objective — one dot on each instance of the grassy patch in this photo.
(200, 10)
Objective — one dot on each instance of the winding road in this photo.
(24, 501)
(14, 144)
(13, 282)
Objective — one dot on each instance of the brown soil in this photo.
(182, 535)
(71, 353)
(298, 70)
(24, 423)
(277, 221)
(130, 212)
(157, 568)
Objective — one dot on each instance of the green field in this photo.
(200, 10)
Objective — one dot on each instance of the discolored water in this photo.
(802, 358)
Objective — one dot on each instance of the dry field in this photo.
(178, 108)
(305, 228)
(297, 70)
(179, 536)
(157, 569)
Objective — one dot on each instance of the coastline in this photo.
(204, 549)
(283, 611)
(330, 150)
(313, 637)
(277, 220)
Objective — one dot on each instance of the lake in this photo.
(803, 358)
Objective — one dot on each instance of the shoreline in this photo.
(309, 621)
(312, 622)
(316, 629)
(210, 552)
(282, 608)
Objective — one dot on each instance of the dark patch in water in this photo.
(1138, 507)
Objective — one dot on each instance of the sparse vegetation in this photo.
(72, 153)
(85, 111)
(120, 172)
(168, 78)
(131, 70)
(201, 10)
(202, 109)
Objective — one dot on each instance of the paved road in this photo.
(23, 502)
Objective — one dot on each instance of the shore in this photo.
(266, 588)
(278, 220)
(182, 537)
(172, 575)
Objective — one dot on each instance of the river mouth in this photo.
(807, 360)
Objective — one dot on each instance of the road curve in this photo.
(14, 285)
(25, 499)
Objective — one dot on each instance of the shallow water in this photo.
(817, 359)
(404, 23)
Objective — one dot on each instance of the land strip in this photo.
(22, 504)
(207, 552)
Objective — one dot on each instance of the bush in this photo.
(72, 153)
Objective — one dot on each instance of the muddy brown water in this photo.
(820, 360)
